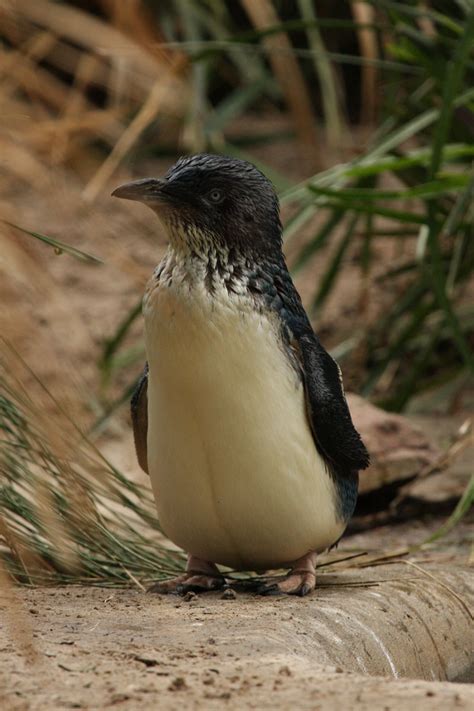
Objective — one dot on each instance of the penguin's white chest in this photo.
(235, 473)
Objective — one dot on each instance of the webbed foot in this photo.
(301, 580)
(200, 576)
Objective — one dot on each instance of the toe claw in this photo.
(268, 589)
(204, 584)
(304, 590)
(163, 588)
(200, 576)
(189, 582)
(297, 583)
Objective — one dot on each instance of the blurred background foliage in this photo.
(371, 105)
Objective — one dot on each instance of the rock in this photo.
(398, 449)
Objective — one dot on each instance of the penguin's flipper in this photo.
(334, 434)
(139, 412)
(331, 423)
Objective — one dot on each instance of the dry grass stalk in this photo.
(35, 81)
(425, 22)
(448, 589)
(364, 14)
(287, 71)
(98, 36)
(49, 119)
(20, 163)
(133, 18)
(31, 52)
(65, 513)
(156, 99)
(76, 105)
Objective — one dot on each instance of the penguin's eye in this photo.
(215, 196)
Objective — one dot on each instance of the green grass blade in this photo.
(431, 190)
(409, 385)
(402, 216)
(111, 345)
(332, 114)
(296, 222)
(396, 350)
(434, 271)
(319, 240)
(334, 269)
(59, 247)
(452, 84)
(234, 105)
(464, 505)
(420, 157)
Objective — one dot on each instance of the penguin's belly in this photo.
(235, 473)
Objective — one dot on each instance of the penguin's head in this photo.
(210, 200)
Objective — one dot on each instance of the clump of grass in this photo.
(66, 514)
(424, 152)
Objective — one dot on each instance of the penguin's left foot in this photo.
(301, 580)
(200, 576)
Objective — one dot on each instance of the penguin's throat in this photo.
(199, 261)
(188, 241)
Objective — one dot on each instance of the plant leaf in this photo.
(58, 246)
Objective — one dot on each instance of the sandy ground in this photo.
(98, 648)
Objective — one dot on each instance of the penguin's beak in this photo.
(146, 190)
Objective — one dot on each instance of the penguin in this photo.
(239, 417)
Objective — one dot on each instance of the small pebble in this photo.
(189, 596)
(178, 684)
(229, 594)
